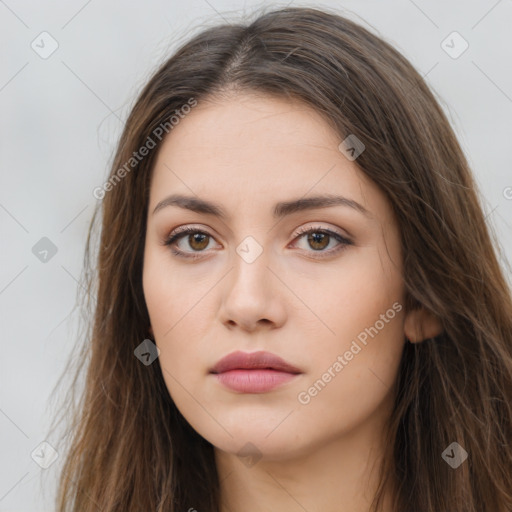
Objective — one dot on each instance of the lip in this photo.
(253, 372)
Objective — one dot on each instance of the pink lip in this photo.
(255, 372)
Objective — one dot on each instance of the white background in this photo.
(60, 120)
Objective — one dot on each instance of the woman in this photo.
(299, 305)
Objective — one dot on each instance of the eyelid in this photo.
(306, 229)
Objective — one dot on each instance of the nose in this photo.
(253, 297)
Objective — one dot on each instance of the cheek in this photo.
(171, 312)
(365, 316)
(171, 298)
(352, 374)
(353, 295)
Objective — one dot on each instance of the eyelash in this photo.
(181, 232)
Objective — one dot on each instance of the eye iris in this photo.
(200, 238)
(318, 238)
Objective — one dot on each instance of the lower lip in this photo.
(254, 381)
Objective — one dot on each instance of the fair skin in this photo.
(246, 153)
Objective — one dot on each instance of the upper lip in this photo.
(252, 361)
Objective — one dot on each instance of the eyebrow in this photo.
(281, 209)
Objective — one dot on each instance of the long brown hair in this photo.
(130, 449)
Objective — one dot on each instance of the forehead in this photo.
(232, 128)
(260, 149)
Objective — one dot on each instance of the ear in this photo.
(420, 325)
(151, 332)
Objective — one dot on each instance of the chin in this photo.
(254, 441)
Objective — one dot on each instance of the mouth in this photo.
(254, 372)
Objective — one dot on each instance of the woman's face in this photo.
(247, 279)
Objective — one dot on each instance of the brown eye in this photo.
(198, 241)
(318, 241)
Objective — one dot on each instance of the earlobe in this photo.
(421, 325)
